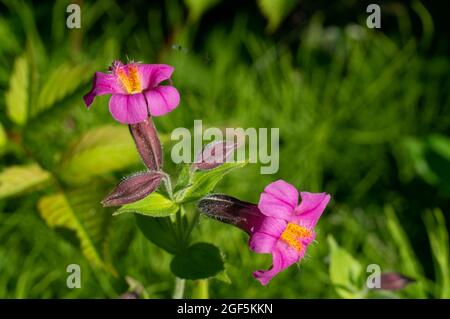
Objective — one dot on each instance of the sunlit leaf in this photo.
(17, 95)
(344, 270)
(275, 11)
(62, 81)
(102, 150)
(80, 211)
(203, 182)
(183, 177)
(154, 205)
(3, 137)
(198, 7)
(21, 178)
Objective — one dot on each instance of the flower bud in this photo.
(231, 210)
(133, 188)
(214, 154)
(394, 281)
(147, 143)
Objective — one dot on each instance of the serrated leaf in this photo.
(275, 11)
(100, 151)
(159, 230)
(183, 177)
(81, 212)
(154, 205)
(203, 182)
(22, 178)
(62, 81)
(344, 270)
(200, 261)
(17, 96)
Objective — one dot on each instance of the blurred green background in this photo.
(364, 114)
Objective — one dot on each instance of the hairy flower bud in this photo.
(230, 210)
(147, 143)
(133, 188)
(214, 154)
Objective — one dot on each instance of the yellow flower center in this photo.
(294, 235)
(130, 80)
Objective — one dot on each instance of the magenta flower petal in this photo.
(279, 199)
(128, 109)
(270, 226)
(162, 100)
(283, 256)
(262, 243)
(278, 225)
(103, 84)
(152, 75)
(311, 208)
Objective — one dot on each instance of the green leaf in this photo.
(80, 211)
(17, 96)
(22, 178)
(159, 230)
(223, 277)
(3, 136)
(154, 205)
(203, 182)
(431, 159)
(198, 7)
(183, 177)
(438, 236)
(344, 270)
(275, 11)
(61, 82)
(410, 266)
(200, 261)
(100, 151)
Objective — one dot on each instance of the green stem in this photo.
(178, 292)
(192, 224)
(180, 230)
(168, 185)
(200, 290)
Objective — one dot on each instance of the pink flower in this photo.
(286, 228)
(136, 91)
(278, 225)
